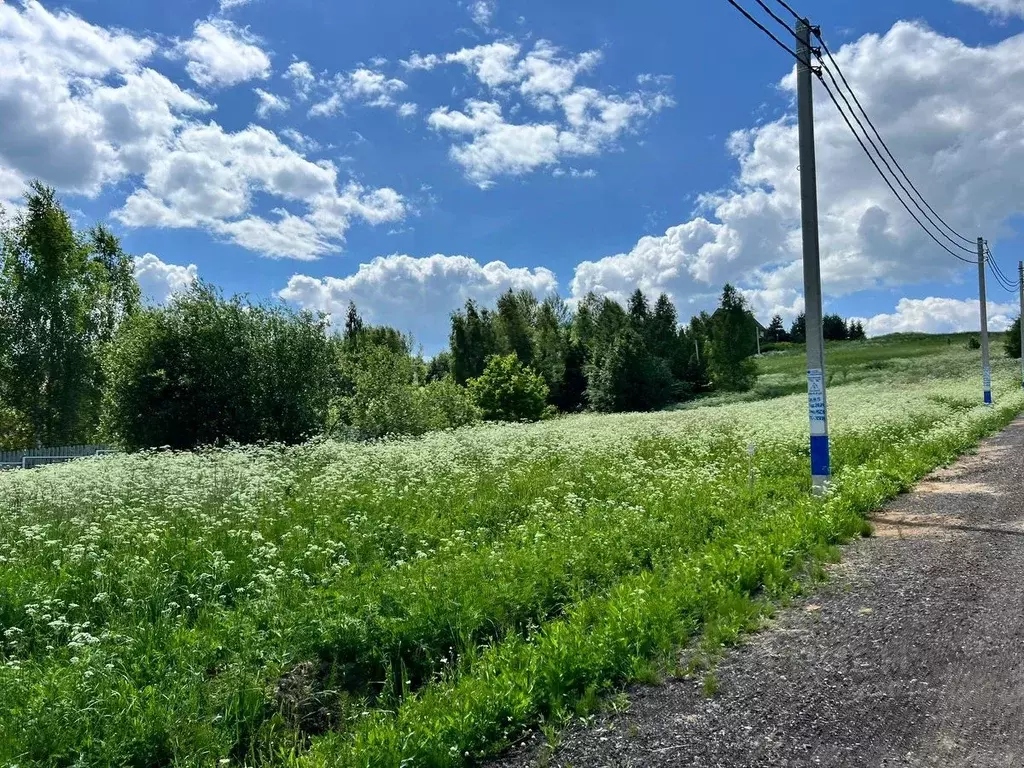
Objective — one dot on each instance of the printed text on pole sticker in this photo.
(816, 397)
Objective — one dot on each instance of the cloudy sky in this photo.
(409, 155)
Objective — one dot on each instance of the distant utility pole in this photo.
(757, 338)
(986, 369)
(817, 406)
(1020, 276)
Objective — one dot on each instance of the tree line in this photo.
(834, 328)
(83, 360)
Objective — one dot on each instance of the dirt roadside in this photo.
(912, 654)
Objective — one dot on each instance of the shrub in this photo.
(443, 404)
(509, 391)
(381, 402)
(206, 371)
(1011, 341)
(15, 429)
(973, 343)
(386, 400)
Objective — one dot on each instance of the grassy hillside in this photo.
(897, 358)
(421, 602)
(846, 357)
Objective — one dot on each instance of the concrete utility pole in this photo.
(986, 369)
(1020, 279)
(757, 338)
(817, 405)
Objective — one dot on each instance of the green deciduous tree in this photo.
(205, 371)
(440, 366)
(62, 297)
(386, 399)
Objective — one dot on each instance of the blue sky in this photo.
(469, 147)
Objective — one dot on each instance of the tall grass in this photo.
(420, 602)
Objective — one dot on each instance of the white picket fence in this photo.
(37, 457)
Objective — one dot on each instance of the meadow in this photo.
(422, 602)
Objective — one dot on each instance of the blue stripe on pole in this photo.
(988, 397)
(819, 456)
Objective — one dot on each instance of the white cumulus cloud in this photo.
(361, 86)
(300, 73)
(578, 121)
(1001, 8)
(160, 281)
(228, 5)
(220, 54)
(416, 294)
(269, 103)
(482, 12)
(209, 177)
(78, 107)
(939, 315)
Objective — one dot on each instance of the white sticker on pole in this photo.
(988, 377)
(816, 400)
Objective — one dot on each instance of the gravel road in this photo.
(912, 654)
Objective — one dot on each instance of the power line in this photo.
(1003, 285)
(1009, 285)
(795, 15)
(853, 93)
(767, 31)
(874, 146)
(995, 265)
(776, 16)
(885, 178)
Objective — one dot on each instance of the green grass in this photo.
(846, 357)
(900, 358)
(421, 602)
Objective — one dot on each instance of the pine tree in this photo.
(834, 328)
(573, 390)
(639, 313)
(550, 343)
(611, 320)
(472, 342)
(776, 331)
(513, 324)
(730, 364)
(662, 328)
(798, 330)
(629, 377)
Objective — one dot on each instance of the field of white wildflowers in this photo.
(421, 602)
